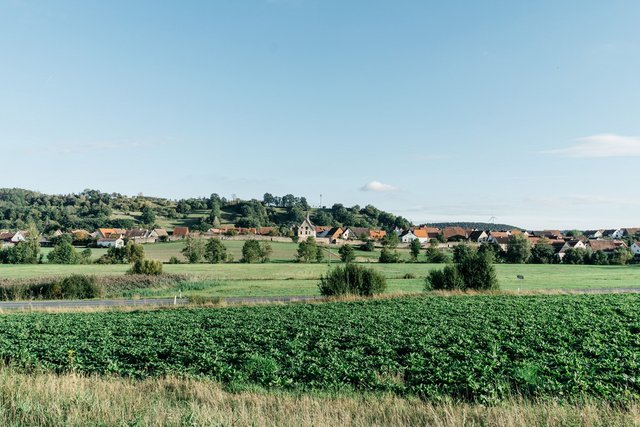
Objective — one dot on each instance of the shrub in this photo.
(446, 279)
(308, 251)
(215, 251)
(254, 251)
(352, 279)
(347, 254)
(174, 260)
(63, 253)
(435, 255)
(146, 266)
(478, 272)
(76, 286)
(368, 246)
(473, 270)
(388, 256)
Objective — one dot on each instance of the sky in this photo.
(437, 111)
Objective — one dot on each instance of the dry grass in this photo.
(73, 400)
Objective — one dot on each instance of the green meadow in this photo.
(279, 278)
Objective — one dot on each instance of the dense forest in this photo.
(91, 209)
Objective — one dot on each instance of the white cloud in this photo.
(378, 186)
(604, 145)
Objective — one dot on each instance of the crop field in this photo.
(471, 348)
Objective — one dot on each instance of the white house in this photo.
(478, 236)
(11, 238)
(614, 234)
(635, 248)
(111, 243)
(408, 237)
(306, 229)
(593, 234)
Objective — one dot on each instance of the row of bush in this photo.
(472, 269)
(68, 287)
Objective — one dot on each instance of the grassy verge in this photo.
(74, 400)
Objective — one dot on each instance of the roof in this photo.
(7, 235)
(377, 234)
(498, 234)
(427, 229)
(109, 231)
(606, 245)
(136, 232)
(573, 243)
(502, 240)
(475, 235)
(419, 232)
(264, 230)
(360, 231)
(335, 232)
(450, 232)
(161, 232)
(534, 240)
(181, 231)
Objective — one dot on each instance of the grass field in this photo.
(277, 279)
(282, 252)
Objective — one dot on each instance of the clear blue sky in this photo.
(448, 110)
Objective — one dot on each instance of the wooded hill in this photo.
(487, 226)
(92, 209)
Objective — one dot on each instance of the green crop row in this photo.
(475, 348)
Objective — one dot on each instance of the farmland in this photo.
(471, 348)
(278, 279)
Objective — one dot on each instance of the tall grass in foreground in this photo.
(74, 400)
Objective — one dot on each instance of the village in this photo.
(605, 240)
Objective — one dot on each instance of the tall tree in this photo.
(193, 249)
(518, 249)
(414, 248)
(215, 251)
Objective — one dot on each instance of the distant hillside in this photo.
(478, 225)
(91, 209)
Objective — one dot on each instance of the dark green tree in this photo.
(347, 254)
(148, 216)
(414, 249)
(215, 251)
(518, 249)
(542, 252)
(253, 251)
(308, 251)
(63, 253)
(193, 249)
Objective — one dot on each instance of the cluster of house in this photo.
(596, 240)
(103, 237)
(603, 240)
